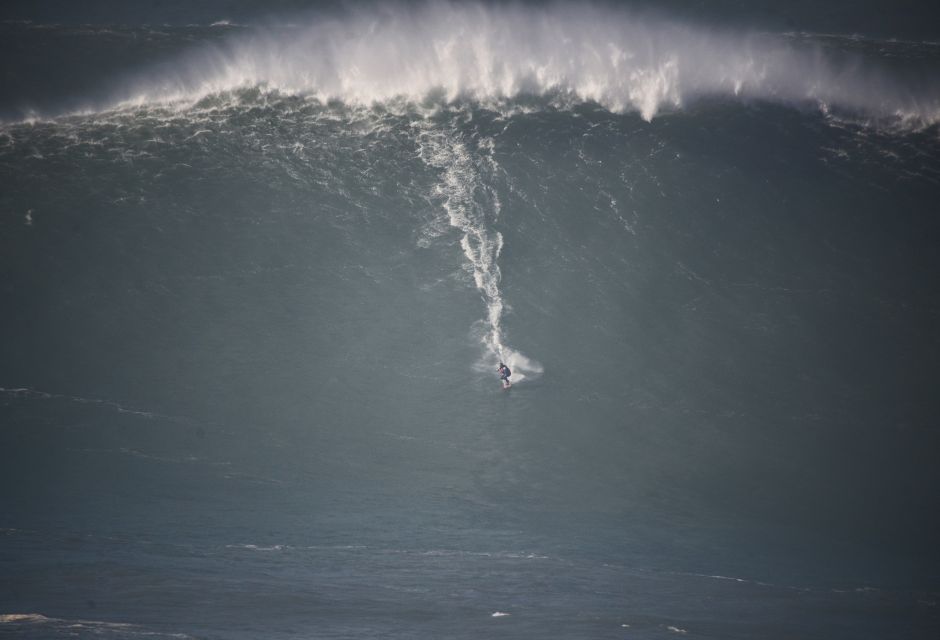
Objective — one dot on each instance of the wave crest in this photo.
(451, 52)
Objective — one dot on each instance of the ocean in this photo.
(257, 277)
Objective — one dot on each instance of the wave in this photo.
(443, 52)
(21, 623)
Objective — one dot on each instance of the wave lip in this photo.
(581, 53)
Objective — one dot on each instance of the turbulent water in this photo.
(256, 282)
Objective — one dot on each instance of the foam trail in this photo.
(467, 200)
(568, 52)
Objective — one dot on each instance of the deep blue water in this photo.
(256, 281)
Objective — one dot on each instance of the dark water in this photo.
(256, 282)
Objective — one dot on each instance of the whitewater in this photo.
(257, 275)
(440, 52)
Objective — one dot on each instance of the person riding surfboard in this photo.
(504, 374)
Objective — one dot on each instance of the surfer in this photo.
(504, 374)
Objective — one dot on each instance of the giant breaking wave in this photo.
(443, 52)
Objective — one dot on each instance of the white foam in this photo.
(78, 627)
(23, 617)
(582, 52)
(473, 207)
(255, 547)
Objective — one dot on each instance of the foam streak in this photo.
(472, 206)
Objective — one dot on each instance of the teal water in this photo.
(251, 332)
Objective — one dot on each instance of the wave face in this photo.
(248, 386)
